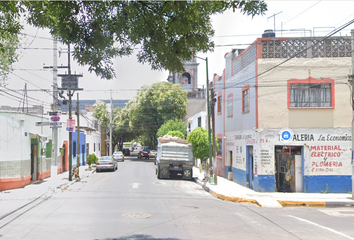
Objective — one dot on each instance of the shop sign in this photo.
(286, 135)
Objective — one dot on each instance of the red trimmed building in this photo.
(283, 115)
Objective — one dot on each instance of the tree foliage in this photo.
(153, 106)
(199, 138)
(9, 39)
(164, 31)
(101, 113)
(172, 125)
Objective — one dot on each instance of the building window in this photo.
(246, 99)
(199, 121)
(94, 147)
(220, 147)
(311, 93)
(219, 103)
(230, 105)
(99, 146)
(186, 78)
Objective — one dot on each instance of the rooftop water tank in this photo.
(268, 33)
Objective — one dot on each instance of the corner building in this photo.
(283, 115)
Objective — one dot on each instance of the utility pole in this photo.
(110, 127)
(70, 117)
(78, 134)
(54, 171)
(213, 128)
(351, 77)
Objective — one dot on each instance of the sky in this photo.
(233, 30)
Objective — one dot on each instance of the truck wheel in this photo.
(158, 173)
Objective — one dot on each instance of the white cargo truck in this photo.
(174, 157)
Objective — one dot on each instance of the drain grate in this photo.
(137, 215)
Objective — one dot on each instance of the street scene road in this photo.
(131, 203)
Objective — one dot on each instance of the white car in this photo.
(153, 153)
(106, 163)
(118, 156)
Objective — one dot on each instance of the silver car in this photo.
(106, 163)
(153, 153)
(118, 156)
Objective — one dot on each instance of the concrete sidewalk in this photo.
(231, 191)
(16, 201)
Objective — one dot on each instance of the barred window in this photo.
(310, 95)
(230, 105)
(246, 100)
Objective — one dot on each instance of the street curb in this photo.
(287, 203)
(283, 203)
(226, 198)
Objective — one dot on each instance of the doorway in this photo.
(288, 166)
(230, 174)
(34, 161)
(249, 166)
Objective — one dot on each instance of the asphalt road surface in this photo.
(131, 203)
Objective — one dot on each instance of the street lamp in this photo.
(209, 109)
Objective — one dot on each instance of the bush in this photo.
(92, 159)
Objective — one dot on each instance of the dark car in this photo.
(126, 151)
(144, 154)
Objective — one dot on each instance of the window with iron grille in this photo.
(219, 104)
(245, 100)
(313, 95)
(230, 105)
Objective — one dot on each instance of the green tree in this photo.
(164, 31)
(153, 106)
(176, 134)
(101, 113)
(199, 138)
(172, 125)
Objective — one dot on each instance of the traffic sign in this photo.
(56, 124)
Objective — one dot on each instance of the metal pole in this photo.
(70, 117)
(54, 171)
(78, 133)
(209, 110)
(110, 128)
(352, 82)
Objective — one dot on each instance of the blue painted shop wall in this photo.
(239, 176)
(264, 183)
(227, 170)
(327, 184)
(82, 147)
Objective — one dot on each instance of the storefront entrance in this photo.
(288, 165)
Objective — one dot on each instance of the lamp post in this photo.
(208, 108)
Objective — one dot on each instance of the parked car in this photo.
(143, 154)
(106, 163)
(126, 151)
(118, 156)
(153, 153)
